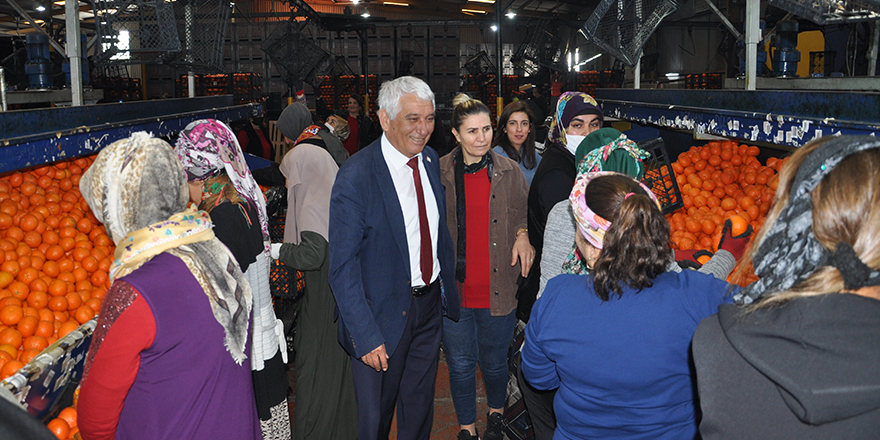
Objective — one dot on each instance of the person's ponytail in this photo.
(635, 249)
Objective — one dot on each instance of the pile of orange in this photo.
(54, 260)
(720, 181)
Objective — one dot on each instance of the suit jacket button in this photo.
(495, 270)
(496, 293)
(404, 313)
(495, 244)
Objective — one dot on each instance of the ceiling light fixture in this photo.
(493, 27)
(510, 14)
(491, 2)
(355, 1)
(395, 4)
(41, 8)
(473, 11)
(366, 13)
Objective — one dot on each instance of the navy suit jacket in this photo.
(369, 256)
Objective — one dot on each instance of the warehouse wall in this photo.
(687, 51)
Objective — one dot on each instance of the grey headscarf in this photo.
(136, 183)
(790, 253)
(296, 118)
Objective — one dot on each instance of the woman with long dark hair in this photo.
(515, 137)
(615, 342)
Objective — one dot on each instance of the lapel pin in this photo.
(427, 158)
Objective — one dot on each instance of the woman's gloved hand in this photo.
(735, 244)
(690, 259)
(275, 250)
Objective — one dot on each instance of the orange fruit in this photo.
(37, 343)
(67, 327)
(10, 368)
(58, 288)
(27, 274)
(51, 269)
(19, 290)
(6, 279)
(738, 225)
(59, 428)
(10, 266)
(27, 326)
(11, 337)
(57, 303)
(74, 300)
(45, 328)
(68, 415)
(11, 351)
(10, 315)
(83, 314)
(66, 243)
(99, 277)
(28, 355)
(28, 222)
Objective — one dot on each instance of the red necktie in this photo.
(427, 257)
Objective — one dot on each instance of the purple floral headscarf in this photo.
(207, 146)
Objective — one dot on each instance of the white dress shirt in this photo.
(402, 176)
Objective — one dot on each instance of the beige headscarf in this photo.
(137, 188)
(310, 173)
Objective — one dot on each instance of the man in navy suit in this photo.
(392, 267)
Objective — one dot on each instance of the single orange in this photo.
(58, 288)
(74, 300)
(11, 315)
(10, 368)
(27, 274)
(59, 428)
(27, 326)
(99, 278)
(83, 314)
(68, 415)
(38, 343)
(54, 253)
(11, 337)
(11, 266)
(66, 243)
(6, 279)
(738, 225)
(67, 327)
(37, 299)
(57, 303)
(45, 328)
(11, 351)
(19, 290)
(28, 355)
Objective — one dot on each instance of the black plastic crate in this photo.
(660, 177)
(285, 281)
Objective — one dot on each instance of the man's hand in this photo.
(523, 251)
(378, 358)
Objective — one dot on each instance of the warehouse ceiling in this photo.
(16, 15)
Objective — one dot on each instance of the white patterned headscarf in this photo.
(207, 147)
(137, 188)
(790, 252)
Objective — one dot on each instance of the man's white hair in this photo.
(392, 92)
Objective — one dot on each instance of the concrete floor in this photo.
(445, 424)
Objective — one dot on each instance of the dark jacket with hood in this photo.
(807, 369)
